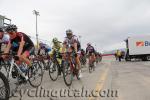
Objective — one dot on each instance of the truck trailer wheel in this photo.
(144, 59)
(148, 58)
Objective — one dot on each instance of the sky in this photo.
(103, 23)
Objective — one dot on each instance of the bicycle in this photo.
(69, 68)
(30, 75)
(55, 68)
(4, 87)
(91, 63)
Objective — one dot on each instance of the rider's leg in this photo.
(78, 61)
(24, 58)
(90, 59)
(79, 65)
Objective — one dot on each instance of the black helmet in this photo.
(11, 28)
(1, 29)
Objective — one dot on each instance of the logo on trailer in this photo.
(142, 43)
(139, 43)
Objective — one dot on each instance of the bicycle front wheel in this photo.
(67, 73)
(35, 74)
(53, 71)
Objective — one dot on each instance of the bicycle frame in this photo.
(69, 58)
(12, 65)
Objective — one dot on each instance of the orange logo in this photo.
(139, 43)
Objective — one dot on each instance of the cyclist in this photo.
(72, 41)
(90, 51)
(57, 47)
(21, 44)
(44, 47)
(4, 38)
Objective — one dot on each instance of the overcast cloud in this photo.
(104, 23)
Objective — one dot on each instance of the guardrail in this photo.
(107, 54)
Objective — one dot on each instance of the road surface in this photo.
(112, 80)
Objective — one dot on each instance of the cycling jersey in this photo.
(28, 46)
(90, 49)
(45, 47)
(71, 42)
(57, 46)
(5, 39)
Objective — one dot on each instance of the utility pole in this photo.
(36, 14)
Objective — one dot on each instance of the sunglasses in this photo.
(69, 34)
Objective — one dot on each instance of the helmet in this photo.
(69, 31)
(55, 40)
(89, 44)
(41, 43)
(1, 30)
(11, 28)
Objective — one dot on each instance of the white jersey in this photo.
(5, 38)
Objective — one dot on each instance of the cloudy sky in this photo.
(104, 23)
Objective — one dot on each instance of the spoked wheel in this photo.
(67, 73)
(35, 74)
(4, 66)
(4, 87)
(53, 71)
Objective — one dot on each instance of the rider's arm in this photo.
(75, 46)
(21, 46)
(63, 48)
(7, 47)
(6, 50)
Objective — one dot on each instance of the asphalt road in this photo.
(112, 80)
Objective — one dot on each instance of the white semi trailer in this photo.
(138, 47)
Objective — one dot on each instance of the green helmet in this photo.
(55, 40)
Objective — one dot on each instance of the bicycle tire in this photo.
(6, 85)
(65, 63)
(54, 68)
(36, 66)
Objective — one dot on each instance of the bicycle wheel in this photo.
(67, 73)
(35, 74)
(4, 66)
(53, 70)
(4, 87)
